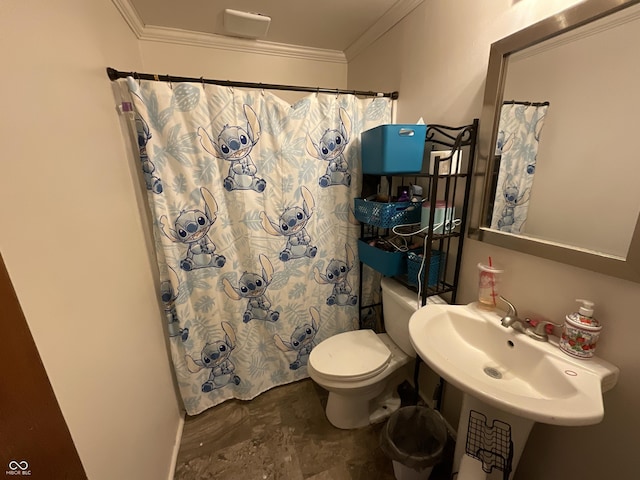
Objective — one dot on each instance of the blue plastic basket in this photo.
(413, 267)
(388, 264)
(387, 215)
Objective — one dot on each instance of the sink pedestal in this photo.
(490, 441)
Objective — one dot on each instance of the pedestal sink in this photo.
(509, 381)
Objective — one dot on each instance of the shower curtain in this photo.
(255, 238)
(517, 146)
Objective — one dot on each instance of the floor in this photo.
(281, 434)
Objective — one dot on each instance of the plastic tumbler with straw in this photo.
(489, 285)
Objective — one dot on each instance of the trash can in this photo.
(414, 438)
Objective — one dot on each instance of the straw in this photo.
(493, 281)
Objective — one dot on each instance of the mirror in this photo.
(571, 79)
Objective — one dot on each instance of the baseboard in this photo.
(176, 447)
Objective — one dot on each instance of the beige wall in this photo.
(219, 64)
(437, 59)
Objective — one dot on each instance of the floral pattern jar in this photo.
(580, 336)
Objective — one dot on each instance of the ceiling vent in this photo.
(246, 24)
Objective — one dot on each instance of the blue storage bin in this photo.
(392, 149)
(413, 267)
(387, 215)
(387, 263)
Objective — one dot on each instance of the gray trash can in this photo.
(414, 438)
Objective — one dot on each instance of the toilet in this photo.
(361, 369)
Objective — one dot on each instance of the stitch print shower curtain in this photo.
(251, 202)
(518, 137)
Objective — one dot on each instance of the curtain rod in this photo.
(115, 74)
(532, 104)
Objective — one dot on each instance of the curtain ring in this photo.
(203, 84)
(169, 81)
(136, 77)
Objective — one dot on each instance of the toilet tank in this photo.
(398, 304)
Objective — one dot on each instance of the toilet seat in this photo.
(350, 356)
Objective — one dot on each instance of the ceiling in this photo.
(322, 24)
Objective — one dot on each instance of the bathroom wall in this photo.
(437, 59)
(188, 60)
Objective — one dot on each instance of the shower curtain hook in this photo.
(203, 84)
(137, 77)
(337, 93)
(169, 81)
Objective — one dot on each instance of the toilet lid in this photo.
(359, 354)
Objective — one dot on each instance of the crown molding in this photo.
(397, 12)
(261, 47)
(155, 33)
(130, 15)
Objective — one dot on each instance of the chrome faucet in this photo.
(537, 332)
(511, 319)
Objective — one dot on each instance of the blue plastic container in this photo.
(388, 264)
(393, 149)
(413, 267)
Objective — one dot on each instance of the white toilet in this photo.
(361, 369)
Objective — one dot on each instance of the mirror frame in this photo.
(581, 14)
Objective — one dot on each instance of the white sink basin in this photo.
(468, 347)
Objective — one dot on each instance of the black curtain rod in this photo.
(533, 104)
(115, 75)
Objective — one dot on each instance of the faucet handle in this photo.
(538, 329)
